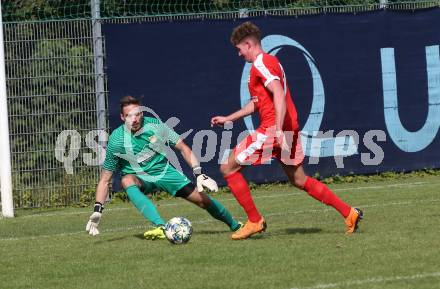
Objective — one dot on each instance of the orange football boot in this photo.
(353, 219)
(250, 229)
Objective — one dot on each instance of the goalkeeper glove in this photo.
(95, 218)
(204, 181)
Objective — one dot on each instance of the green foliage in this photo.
(48, 81)
(121, 196)
(87, 197)
(68, 190)
(32, 10)
(352, 178)
(28, 10)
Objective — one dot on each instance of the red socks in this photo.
(240, 189)
(322, 193)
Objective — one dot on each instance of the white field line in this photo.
(120, 229)
(58, 214)
(373, 280)
(329, 209)
(413, 184)
(211, 220)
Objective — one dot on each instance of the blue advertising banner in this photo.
(366, 86)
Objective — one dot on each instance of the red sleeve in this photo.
(267, 68)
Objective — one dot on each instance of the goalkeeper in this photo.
(138, 149)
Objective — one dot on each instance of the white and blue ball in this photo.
(178, 230)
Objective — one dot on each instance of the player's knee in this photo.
(299, 181)
(227, 169)
(200, 199)
(127, 181)
(224, 169)
(203, 204)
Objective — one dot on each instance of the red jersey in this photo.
(265, 69)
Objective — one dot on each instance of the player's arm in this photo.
(244, 111)
(187, 154)
(279, 101)
(101, 196)
(111, 164)
(202, 179)
(103, 184)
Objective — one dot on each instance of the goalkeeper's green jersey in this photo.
(143, 151)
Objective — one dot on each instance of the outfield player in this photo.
(277, 136)
(138, 150)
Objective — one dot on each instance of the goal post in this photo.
(5, 152)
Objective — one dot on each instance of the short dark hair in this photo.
(127, 100)
(244, 30)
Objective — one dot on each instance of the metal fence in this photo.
(55, 82)
(51, 87)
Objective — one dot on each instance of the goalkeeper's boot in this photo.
(250, 229)
(155, 234)
(353, 219)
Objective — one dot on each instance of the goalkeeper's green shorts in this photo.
(166, 179)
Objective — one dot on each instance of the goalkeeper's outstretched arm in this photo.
(101, 196)
(102, 188)
(187, 154)
(202, 179)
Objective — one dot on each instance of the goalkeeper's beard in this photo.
(135, 127)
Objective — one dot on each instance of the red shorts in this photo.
(259, 148)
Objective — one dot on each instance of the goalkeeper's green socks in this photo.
(144, 205)
(219, 212)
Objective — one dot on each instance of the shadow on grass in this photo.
(111, 240)
(289, 231)
(302, 231)
(202, 232)
(209, 232)
(141, 237)
(280, 232)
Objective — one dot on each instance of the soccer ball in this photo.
(178, 230)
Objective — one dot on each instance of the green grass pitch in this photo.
(304, 246)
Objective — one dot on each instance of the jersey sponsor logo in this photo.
(254, 98)
(144, 156)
